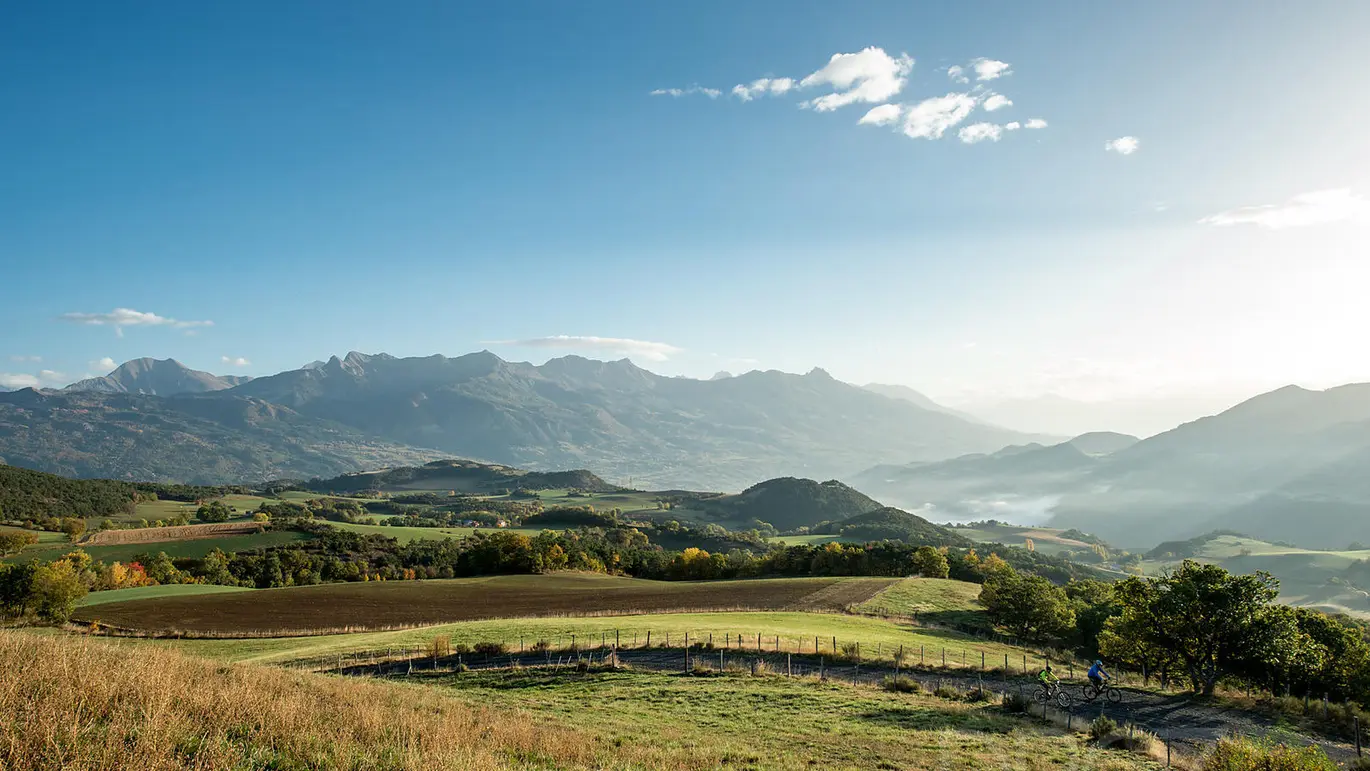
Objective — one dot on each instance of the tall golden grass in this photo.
(75, 703)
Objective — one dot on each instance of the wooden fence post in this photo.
(649, 638)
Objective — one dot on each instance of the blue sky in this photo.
(314, 178)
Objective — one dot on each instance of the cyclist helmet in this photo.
(1098, 663)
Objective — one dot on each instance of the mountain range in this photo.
(156, 377)
(624, 422)
(1287, 465)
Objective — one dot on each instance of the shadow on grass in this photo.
(914, 718)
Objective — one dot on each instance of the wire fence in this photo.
(958, 671)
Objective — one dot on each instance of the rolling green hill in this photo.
(787, 503)
(891, 524)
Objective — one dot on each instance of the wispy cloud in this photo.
(870, 75)
(997, 101)
(105, 365)
(883, 115)
(647, 349)
(125, 317)
(44, 378)
(983, 69)
(235, 361)
(761, 87)
(930, 118)
(34, 359)
(979, 132)
(1123, 145)
(712, 93)
(1315, 208)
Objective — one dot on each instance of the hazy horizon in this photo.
(984, 213)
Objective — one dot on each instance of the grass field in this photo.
(381, 605)
(932, 600)
(1044, 539)
(84, 704)
(879, 638)
(196, 548)
(407, 534)
(152, 592)
(776, 722)
(1303, 573)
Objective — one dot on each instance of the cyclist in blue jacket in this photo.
(1097, 674)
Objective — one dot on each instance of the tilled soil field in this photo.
(395, 604)
(177, 533)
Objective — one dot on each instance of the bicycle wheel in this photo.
(1040, 695)
(1090, 693)
(1063, 699)
(1114, 695)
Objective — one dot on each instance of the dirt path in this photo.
(1189, 723)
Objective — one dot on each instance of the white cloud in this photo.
(1122, 145)
(1012, 125)
(989, 69)
(1035, 123)
(870, 75)
(620, 345)
(957, 73)
(761, 87)
(44, 378)
(1316, 208)
(106, 364)
(883, 115)
(979, 132)
(233, 361)
(996, 101)
(34, 359)
(8, 380)
(124, 317)
(712, 93)
(931, 118)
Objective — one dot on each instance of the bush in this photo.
(902, 684)
(851, 650)
(491, 648)
(541, 646)
(1101, 727)
(1017, 702)
(947, 692)
(439, 646)
(1242, 754)
(461, 649)
(977, 694)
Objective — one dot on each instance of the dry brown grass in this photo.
(77, 703)
(176, 533)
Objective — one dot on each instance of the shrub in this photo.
(491, 648)
(851, 650)
(1016, 702)
(977, 694)
(902, 684)
(541, 646)
(947, 692)
(1101, 727)
(1241, 754)
(461, 649)
(439, 646)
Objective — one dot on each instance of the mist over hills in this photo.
(1286, 465)
(624, 422)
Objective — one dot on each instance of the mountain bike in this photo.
(1111, 695)
(1051, 695)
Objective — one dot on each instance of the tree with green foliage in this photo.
(56, 588)
(214, 511)
(930, 562)
(1094, 605)
(1029, 606)
(14, 541)
(73, 527)
(1215, 623)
